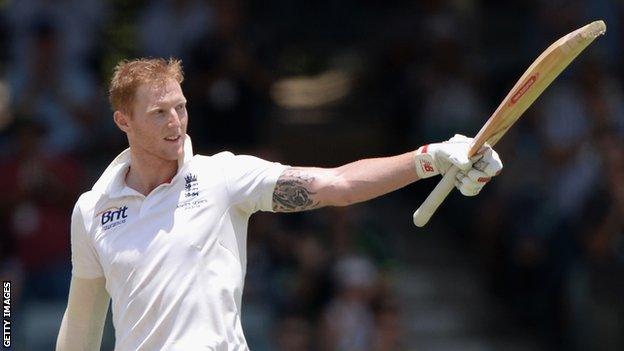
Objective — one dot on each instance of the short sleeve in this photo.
(251, 181)
(85, 263)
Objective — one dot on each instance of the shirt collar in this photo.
(112, 181)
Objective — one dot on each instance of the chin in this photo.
(172, 154)
(169, 155)
(176, 156)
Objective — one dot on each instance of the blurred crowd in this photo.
(321, 83)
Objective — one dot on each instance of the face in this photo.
(157, 127)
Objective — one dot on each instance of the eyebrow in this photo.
(157, 107)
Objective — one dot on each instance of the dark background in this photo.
(535, 262)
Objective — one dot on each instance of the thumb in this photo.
(460, 138)
(461, 161)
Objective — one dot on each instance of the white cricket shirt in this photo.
(175, 260)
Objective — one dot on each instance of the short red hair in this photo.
(130, 74)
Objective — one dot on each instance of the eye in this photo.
(181, 107)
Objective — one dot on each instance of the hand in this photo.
(475, 172)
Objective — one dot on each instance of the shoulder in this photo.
(84, 209)
(223, 156)
(223, 160)
(211, 163)
(87, 200)
(229, 163)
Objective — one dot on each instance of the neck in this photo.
(146, 173)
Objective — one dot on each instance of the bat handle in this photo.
(435, 198)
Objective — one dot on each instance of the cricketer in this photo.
(162, 233)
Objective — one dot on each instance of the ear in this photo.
(121, 120)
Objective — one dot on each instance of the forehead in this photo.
(158, 92)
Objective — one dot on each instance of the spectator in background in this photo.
(228, 87)
(567, 128)
(348, 320)
(389, 329)
(37, 189)
(451, 102)
(51, 69)
(603, 97)
(193, 19)
(594, 288)
(54, 92)
(294, 333)
(574, 113)
(311, 279)
(78, 23)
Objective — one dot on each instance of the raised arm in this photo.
(83, 322)
(307, 188)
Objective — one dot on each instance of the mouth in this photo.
(174, 138)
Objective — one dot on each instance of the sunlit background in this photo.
(536, 262)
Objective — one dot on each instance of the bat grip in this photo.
(435, 198)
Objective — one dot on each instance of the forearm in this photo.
(74, 336)
(367, 179)
(83, 321)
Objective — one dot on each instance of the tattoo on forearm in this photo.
(292, 192)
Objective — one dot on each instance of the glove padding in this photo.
(474, 173)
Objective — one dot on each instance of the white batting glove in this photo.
(475, 172)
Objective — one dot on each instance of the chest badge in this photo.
(191, 191)
(191, 186)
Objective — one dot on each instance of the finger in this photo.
(469, 192)
(480, 165)
(460, 176)
(476, 158)
(490, 163)
(460, 138)
(456, 150)
(469, 189)
(466, 185)
(478, 176)
(459, 184)
(484, 149)
(461, 161)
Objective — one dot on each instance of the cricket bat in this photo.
(531, 84)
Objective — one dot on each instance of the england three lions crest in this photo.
(191, 187)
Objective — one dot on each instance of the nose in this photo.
(174, 119)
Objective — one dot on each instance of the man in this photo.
(163, 232)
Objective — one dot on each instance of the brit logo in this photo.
(191, 188)
(113, 216)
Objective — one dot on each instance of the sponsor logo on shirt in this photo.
(113, 216)
(190, 205)
(191, 187)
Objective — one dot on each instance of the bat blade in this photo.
(540, 74)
